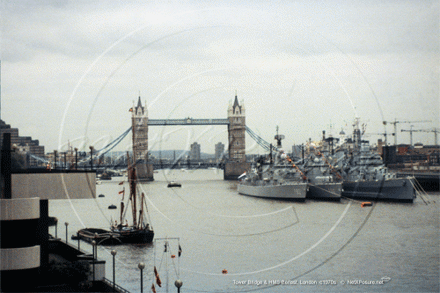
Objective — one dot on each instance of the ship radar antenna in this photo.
(278, 138)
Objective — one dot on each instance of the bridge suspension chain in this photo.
(261, 142)
(111, 145)
(115, 142)
(38, 158)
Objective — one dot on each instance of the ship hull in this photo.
(137, 236)
(396, 189)
(325, 191)
(106, 237)
(285, 191)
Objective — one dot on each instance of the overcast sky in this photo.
(72, 69)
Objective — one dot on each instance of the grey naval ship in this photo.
(323, 179)
(273, 177)
(366, 176)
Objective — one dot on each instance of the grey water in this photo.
(235, 243)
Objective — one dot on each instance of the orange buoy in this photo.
(173, 256)
(225, 271)
(366, 204)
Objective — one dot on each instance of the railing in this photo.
(187, 121)
(117, 287)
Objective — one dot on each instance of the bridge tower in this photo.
(236, 164)
(139, 122)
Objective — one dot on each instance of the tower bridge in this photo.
(236, 122)
(234, 166)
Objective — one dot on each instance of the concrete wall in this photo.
(234, 169)
(19, 246)
(68, 185)
(99, 270)
(144, 171)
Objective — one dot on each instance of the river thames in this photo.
(235, 243)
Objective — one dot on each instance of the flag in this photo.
(158, 282)
(153, 288)
(180, 250)
(122, 192)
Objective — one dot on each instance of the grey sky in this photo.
(71, 70)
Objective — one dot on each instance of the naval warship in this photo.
(323, 179)
(366, 176)
(274, 176)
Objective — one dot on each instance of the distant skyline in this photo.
(70, 70)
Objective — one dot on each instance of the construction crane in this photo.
(385, 135)
(410, 134)
(395, 126)
(421, 130)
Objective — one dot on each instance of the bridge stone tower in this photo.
(139, 122)
(236, 164)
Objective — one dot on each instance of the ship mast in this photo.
(132, 183)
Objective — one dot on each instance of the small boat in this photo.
(174, 184)
(101, 195)
(105, 176)
(100, 236)
(112, 207)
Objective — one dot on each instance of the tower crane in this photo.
(385, 135)
(422, 130)
(395, 126)
(410, 134)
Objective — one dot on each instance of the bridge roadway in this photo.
(158, 165)
(187, 121)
